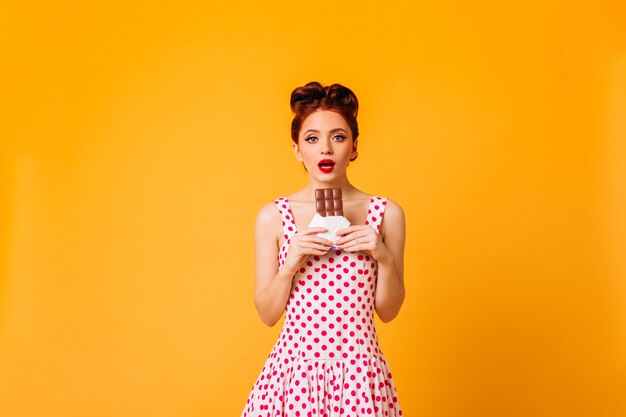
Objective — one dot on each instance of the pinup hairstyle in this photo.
(313, 96)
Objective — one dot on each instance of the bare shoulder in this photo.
(268, 220)
(393, 210)
(393, 223)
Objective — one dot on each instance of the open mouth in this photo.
(326, 165)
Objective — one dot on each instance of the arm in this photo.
(390, 289)
(272, 287)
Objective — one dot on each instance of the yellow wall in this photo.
(138, 142)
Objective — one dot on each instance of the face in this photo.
(325, 144)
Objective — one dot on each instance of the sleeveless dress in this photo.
(327, 361)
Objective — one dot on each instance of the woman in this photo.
(327, 360)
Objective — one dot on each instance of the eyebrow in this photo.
(330, 131)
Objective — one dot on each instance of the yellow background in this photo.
(139, 139)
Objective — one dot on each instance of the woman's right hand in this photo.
(304, 243)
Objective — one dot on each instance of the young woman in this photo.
(327, 361)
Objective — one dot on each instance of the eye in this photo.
(310, 137)
(340, 136)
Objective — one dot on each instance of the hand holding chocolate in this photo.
(329, 213)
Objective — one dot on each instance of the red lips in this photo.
(326, 165)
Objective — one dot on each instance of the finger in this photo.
(313, 245)
(353, 243)
(313, 238)
(355, 248)
(317, 239)
(350, 237)
(354, 232)
(346, 230)
(312, 230)
(316, 252)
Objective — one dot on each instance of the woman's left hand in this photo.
(363, 238)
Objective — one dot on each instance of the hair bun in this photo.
(343, 97)
(314, 96)
(307, 95)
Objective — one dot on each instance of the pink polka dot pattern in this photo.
(327, 361)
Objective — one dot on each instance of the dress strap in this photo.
(376, 212)
(289, 225)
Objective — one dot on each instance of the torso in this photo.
(330, 310)
(303, 211)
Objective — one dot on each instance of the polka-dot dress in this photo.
(327, 361)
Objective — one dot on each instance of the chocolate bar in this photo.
(329, 213)
(328, 202)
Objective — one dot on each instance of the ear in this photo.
(296, 151)
(354, 150)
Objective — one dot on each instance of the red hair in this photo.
(314, 96)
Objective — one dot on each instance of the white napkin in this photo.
(332, 223)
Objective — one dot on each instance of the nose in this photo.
(326, 147)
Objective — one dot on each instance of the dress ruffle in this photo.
(296, 387)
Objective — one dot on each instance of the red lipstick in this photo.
(326, 165)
